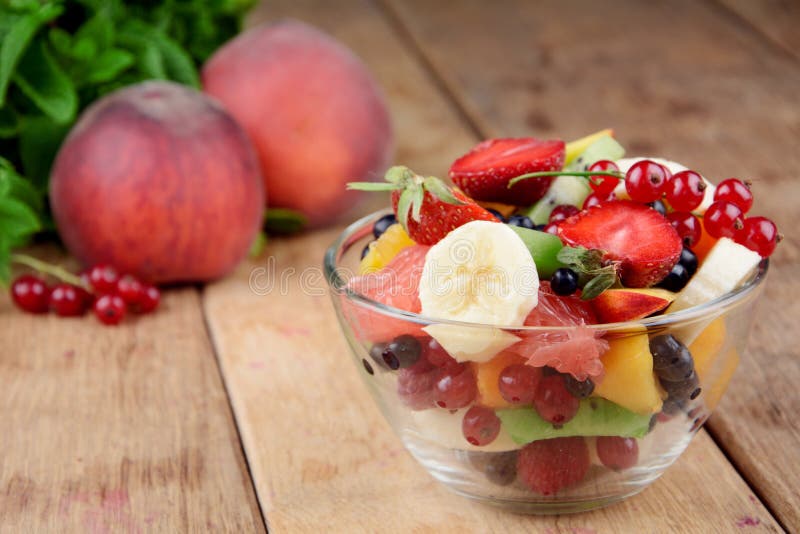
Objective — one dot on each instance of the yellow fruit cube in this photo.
(713, 392)
(707, 346)
(384, 249)
(629, 380)
(574, 148)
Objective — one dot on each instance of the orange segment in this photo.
(487, 375)
(382, 251)
(714, 392)
(705, 244)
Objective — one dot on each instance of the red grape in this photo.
(617, 453)
(553, 402)
(455, 388)
(517, 383)
(480, 426)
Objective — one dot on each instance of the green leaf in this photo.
(5, 261)
(18, 38)
(438, 189)
(17, 220)
(177, 62)
(258, 246)
(597, 285)
(416, 203)
(404, 205)
(42, 80)
(14, 186)
(284, 221)
(9, 124)
(398, 174)
(39, 140)
(373, 186)
(581, 258)
(109, 65)
(99, 30)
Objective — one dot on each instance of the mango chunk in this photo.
(487, 375)
(629, 380)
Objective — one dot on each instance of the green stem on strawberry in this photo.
(53, 270)
(581, 174)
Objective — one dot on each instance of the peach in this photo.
(312, 110)
(618, 305)
(159, 181)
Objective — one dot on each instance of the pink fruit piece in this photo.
(551, 465)
(575, 350)
(395, 285)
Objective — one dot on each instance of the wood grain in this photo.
(322, 456)
(778, 20)
(122, 429)
(696, 86)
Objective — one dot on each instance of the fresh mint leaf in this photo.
(15, 186)
(5, 262)
(17, 220)
(109, 65)
(597, 285)
(17, 39)
(41, 79)
(9, 123)
(99, 30)
(39, 140)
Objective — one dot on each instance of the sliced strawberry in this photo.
(438, 218)
(484, 172)
(636, 235)
(550, 465)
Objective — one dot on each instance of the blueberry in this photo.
(365, 251)
(496, 214)
(671, 359)
(688, 388)
(402, 351)
(564, 281)
(677, 278)
(382, 224)
(521, 220)
(501, 469)
(539, 227)
(689, 261)
(376, 353)
(578, 388)
(659, 207)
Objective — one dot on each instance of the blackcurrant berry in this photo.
(677, 278)
(382, 224)
(689, 261)
(496, 214)
(521, 220)
(403, 351)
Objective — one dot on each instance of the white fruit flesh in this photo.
(482, 273)
(674, 167)
(726, 267)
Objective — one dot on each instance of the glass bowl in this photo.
(623, 436)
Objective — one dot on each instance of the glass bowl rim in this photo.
(707, 310)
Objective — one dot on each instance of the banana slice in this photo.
(482, 273)
(727, 265)
(674, 167)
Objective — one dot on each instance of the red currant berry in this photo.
(553, 402)
(31, 294)
(617, 453)
(595, 200)
(759, 235)
(667, 172)
(685, 191)
(687, 226)
(435, 354)
(455, 388)
(517, 383)
(723, 219)
(735, 191)
(67, 300)
(600, 184)
(561, 212)
(480, 426)
(103, 279)
(645, 181)
(130, 289)
(149, 299)
(110, 309)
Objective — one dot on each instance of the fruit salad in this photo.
(550, 323)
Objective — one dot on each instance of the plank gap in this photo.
(739, 19)
(223, 379)
(415, 50)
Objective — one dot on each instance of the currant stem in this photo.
(580, 174)
(47, 268)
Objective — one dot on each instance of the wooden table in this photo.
(231, 411)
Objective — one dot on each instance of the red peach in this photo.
(159, 181)
(314, 113)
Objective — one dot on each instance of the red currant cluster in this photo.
(110, 298)
(650, 182)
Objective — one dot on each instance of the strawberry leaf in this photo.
(438, 189)
(581, 259)
(373, 186)
(404, 206)
(398, 174)
(416, 203)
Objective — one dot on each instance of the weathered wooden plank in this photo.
(675, 79)
(778, 20)
(122, 429)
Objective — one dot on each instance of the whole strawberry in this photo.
(426, 207)
(484, 172)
